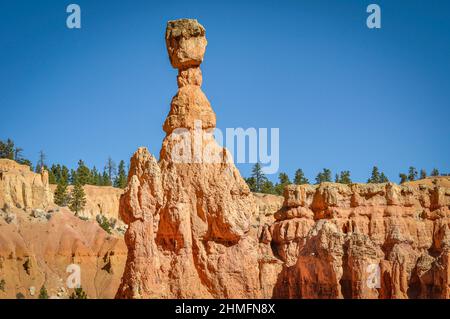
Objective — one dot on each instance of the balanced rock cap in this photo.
(186, 43)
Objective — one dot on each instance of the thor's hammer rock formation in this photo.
(188, 214)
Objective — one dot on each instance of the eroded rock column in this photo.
(188, 214)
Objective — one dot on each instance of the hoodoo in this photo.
(189, 222)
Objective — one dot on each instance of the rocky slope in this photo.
(196, 231)
(39, 240)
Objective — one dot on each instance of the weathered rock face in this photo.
(189, 214)
(22, 188)
(362, 241)
(39, 240)
(100, 200)
(186, 43)
(36, 252)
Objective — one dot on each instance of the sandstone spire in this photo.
(188, 220)
(186, 44)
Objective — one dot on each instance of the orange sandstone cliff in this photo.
(100, 200)
(362, 241)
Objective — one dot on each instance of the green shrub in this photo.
(78, 293)
(43, 294)
(104, 223)
(20, 296)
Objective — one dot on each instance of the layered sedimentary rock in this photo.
(39, 240)
(189, 214)
(100, 200)
(22, 188)
(36, 251)
(362, 241)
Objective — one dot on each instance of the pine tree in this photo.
(121, 179)
(283, 182)
(324, 176)
(52, 178)
(99, 181)
(267, 187)
(94, 176)
(412, 174)
(65, 174)
(20, 159)
(383, 178)
(423, 174)
(300, 178)
(61, 196)
(106, 181)
(55, 171)
(403, 178)
(77, 199)
(83, 173)
(110, 168)
(18, 153)
(73, 177)
(375, 177)
(344, 178)
(435, 172)
(43, 294)
(284, 178)
(7, 149)
(41, 162)
(260, 178)
(327, 175)
(251, 183)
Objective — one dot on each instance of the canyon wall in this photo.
(22, 188)
(100, 200)
(196, 231)
(362, 241)
(39, 240)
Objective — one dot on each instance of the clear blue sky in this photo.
(343, 96)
